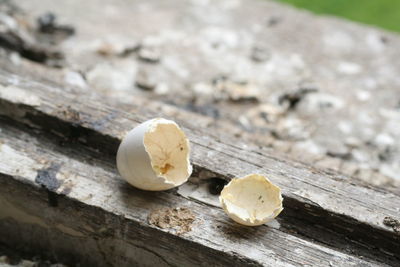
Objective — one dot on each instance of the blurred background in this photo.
(383, 13)
(318, 89)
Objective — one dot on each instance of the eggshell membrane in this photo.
(155, 156)
(251, 200)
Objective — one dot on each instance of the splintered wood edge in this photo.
(56, 188)
(314, 196)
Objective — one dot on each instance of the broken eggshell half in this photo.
(155, 156)
(251, 200)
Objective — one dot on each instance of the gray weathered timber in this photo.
(349, 123)
(311, 195)
(82, 212)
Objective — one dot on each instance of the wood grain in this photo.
(312, 196)
(66, 202)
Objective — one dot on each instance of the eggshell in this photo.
(155, 156)
(251, 200)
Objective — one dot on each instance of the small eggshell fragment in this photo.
(251, 200)
(155, 156)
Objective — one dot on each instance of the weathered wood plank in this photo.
(345, 64)
(82, 210)
(311, 195)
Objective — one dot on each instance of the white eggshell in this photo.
(155, 156)
(251, 200)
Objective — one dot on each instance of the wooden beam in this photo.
(71, 206)
(318, 198)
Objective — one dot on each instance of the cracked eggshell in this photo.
(251, 200)
(155, 156)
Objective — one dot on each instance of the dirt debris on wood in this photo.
(149, 54)
(235, 91)
(291, 99)
(49, 29)
(19, 33)
(391, 222)
(71, 114)
(145, 80)
(260, 54)
(179, 220)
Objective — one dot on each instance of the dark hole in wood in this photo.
(52, 198)
(216, 185)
